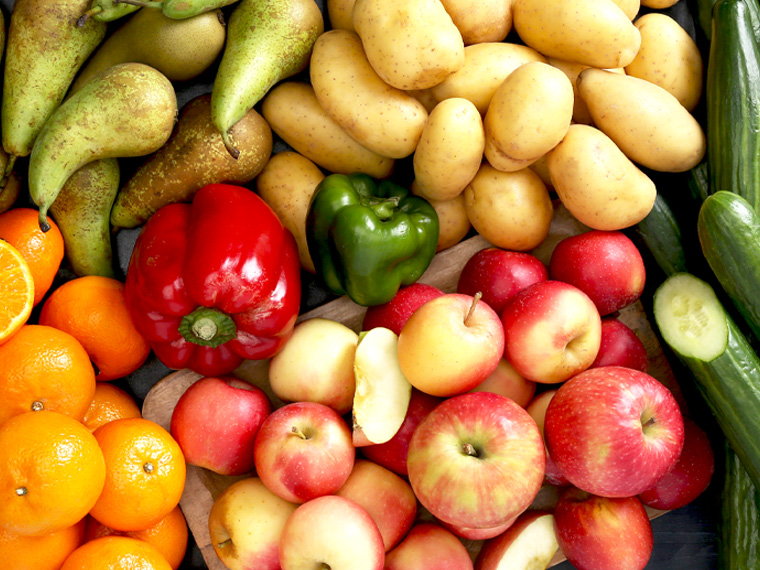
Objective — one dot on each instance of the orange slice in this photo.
(16, 290)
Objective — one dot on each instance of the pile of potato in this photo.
(498, 103)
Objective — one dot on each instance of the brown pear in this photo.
(194, 156)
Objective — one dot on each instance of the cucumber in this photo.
(730, 382)
(729, 234)
(732, 91)
(661, 234)
(739, 531)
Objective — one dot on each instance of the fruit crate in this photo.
(203, 486)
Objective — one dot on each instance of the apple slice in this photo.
(382, 391)
(529, 543)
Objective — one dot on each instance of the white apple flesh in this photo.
(382, 391)
(528, 543)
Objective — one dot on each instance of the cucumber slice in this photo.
(690, 317)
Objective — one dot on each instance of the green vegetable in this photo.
(661, 234)
(729, 233)
(729, 382)
(739, 532)
(367, 238)
(732, 92)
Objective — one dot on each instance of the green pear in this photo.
(267, 41)
(128, 110)
(193, 157)
(180, 49)
(82, 212)
(180, 9)
(107, 11)
(44, 51)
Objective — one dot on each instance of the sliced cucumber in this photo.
(690, 317)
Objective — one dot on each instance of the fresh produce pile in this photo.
(261, 152)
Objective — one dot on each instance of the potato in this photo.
(287, 184)
(453, 222)
(630, 7)
(411, 44)
(424, 96)
(668, 57)
(512, 210)
(450, 150)
(658, 4)
(482, 21)
(528, 115)
(340, 14)
(384, 119)
(572, 70)
(295, 115)
(647, 122)
(486, 66)
(596, 33)
(596, 182)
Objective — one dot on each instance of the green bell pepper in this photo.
(368, 238)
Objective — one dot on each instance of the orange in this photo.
(93, 310)
(44, 368)
(110, 403)
(16, 291)
(169, 535)
(145, 474)
(51, 472)
(43, 251)
(116, 553)
(46, 552)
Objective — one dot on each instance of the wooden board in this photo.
(203, 486)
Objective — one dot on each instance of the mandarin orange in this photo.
(116, 553)
(46, 552)
(51, 472)
(145, 474)
(44, 368)
(16, 291)
(93, 310)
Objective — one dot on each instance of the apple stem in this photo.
(224, 544)
(470, 450)
(295, 431)
(650, 422)
(475, 300)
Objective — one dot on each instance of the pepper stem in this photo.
(207, 326)
(384, 208)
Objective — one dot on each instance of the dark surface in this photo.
(685, 539)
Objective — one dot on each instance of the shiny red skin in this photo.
(227, 250)
(396, 312)
(620, 347)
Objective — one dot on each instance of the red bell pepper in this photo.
(214, 282)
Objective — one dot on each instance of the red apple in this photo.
(606, 265)
(552, 330)
(691, 475)
(620, 346)
(245, 523)
(450, 345)
(393, 314)
(476, 461)
(506, 381)
(614, 431)
(537, 410)
(331, 532)
(477, 533)
(600, 533)
(216, 421)
(303, 450)
(392, 454)
(528, 543)
(429, 545)
(316, 365)
(498, 274)
(388, 499)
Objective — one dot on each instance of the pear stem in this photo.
(86, 16)
(471, 312)
(138, 3)
(234, 153)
